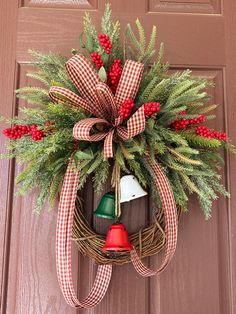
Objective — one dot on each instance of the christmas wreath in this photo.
(114, 110)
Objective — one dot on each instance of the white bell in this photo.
(130, 189)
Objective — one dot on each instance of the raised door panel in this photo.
(66, 4)
(8, 12)
(185, 6)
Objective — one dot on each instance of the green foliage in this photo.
(137, 48)
(191, 162)
(101, 176)
(89, 39)
(197, 140)
(91, 34)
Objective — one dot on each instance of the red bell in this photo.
(117, 239)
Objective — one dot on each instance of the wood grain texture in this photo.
(201, 277)
(205, 34)
(8, 12)
(230, 96)
(185, 6)
(72, 4)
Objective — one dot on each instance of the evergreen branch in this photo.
(200, 140)
(142, 39)
(106, 20)
(183, 158)
(190, 185)
(132, 37)
(152, 42)
(101, 176)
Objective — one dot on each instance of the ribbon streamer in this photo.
(171, 227)
(63, 247)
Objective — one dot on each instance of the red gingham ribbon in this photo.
(98, 99)
(170, 213)
(63, 247)
(100, 102)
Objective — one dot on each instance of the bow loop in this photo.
(82, 130)
(135, 125)
(61, 94)
(83, 76)
(129, 81)
(107, 101)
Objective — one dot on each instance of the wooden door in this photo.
(198, 34)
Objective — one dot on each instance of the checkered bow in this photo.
(97, 98)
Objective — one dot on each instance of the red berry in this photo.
(206, 132)
(114, 74)
(183, 123)
(105, 42)
(126, 108)
(17, 131)
(97, 60)
(151, 108)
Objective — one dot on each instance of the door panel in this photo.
(198, 34)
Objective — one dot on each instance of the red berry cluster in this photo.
(17, 131)
(36, 134)
(206, 132)
(198, 120)
(114, 74)
(105, 42)
(184, 123)
(126, 108)
(97, 60)
(151, 107)
(180, 124)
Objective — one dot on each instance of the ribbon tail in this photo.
(171, 226)
(129, 81)
(63, 247)
(108, 149)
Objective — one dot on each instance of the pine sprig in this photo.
(90, 33)
(200, 141)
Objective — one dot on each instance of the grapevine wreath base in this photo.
(148, 241)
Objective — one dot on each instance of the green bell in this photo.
(106, 207)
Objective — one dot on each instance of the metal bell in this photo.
(130, 189)
(117, 239)
(106, 207)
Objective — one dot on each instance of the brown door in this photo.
(198, 34)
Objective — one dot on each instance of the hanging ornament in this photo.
(130, 189)
(106, 207)
(117, 239)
